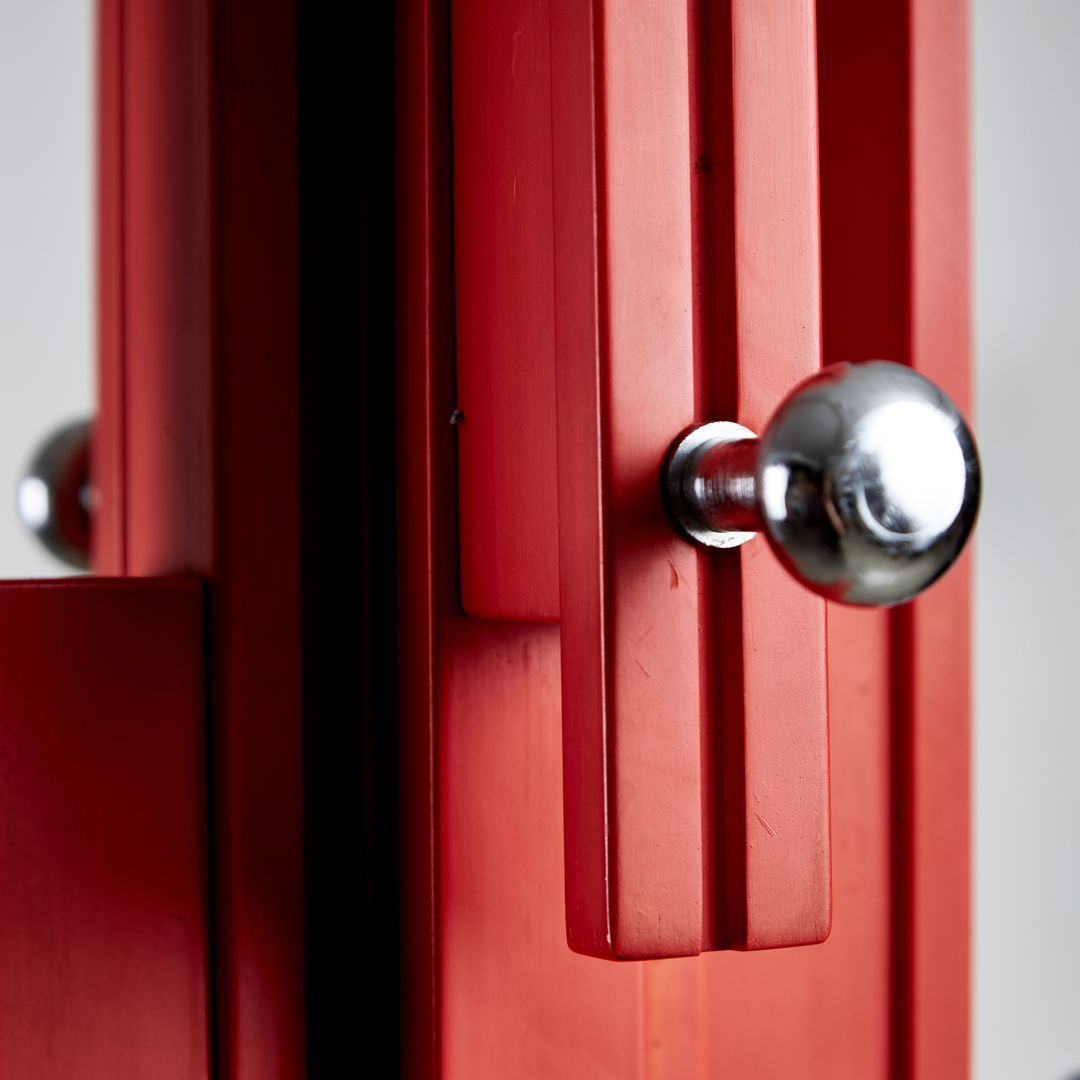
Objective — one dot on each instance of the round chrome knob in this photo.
(866, 483)
(54, 494)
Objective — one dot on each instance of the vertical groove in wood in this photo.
(716, 395)
(758, 304)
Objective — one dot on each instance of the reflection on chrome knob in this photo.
(54, 494)
(866, 483)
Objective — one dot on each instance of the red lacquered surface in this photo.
(759, 303)
(616, 176)
(196, 441)
(937, 669)
(895, 208)
(108, 555)
(492, 990)
(637, 781)
(503, 293)
(629, 587)
(503, 933)
(103, 910)
(427, 558)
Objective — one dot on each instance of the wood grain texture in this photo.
(103, 914)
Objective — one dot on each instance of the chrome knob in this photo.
(54, 494)
(866, 483)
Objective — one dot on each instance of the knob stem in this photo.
(709, 484)
(719, 488)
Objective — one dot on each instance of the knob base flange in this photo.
(679, 476)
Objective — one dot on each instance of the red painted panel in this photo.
(167, 288)
(513, 1001)
(488, 981)
(256, 600)
(895, 183)
(640, 856)
(197, 449)
(107, 537)
(759, 296)
(103, 913)
(501, 869)
(825, 1012)
(629, 587)
(503, 296)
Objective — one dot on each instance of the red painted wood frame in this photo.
(491, 989)
(696, 764)
(196, 447)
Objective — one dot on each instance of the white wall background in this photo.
(46, 260)
(1026, 57)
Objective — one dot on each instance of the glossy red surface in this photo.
(504, 310)
(937, 664)
(492, 989)
(759, 327)
(103, 913)
(427, 577)
(629, 597)
(196, 447)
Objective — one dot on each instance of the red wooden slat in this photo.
(824, 1013)
(639, 854)
(427, 552)
(256, 611)
(761, 334)
(938, 795)
(629, 588)
(200, 445)
(109, 434)
(167, 299)
(895, 208)
(103, 911)
(504, 298)
(487, 982)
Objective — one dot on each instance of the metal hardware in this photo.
(866, 483)
(54, 496)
